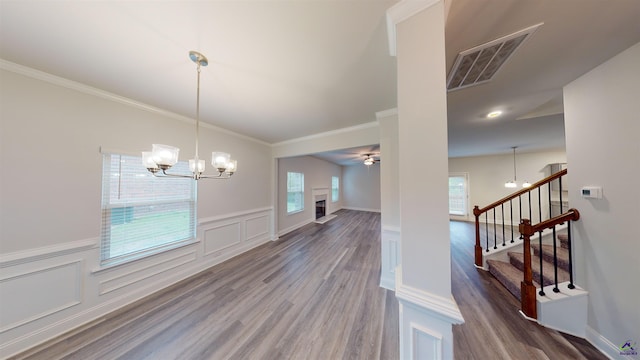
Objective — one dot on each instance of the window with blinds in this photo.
(142, 214)
(295, 192)
(335, 188)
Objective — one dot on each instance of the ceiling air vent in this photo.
(481, 63)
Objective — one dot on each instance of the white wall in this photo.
(603, 148)
(317, 175)
(51, 132)
(487, 174)
(361, 187)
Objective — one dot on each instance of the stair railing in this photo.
(509, 201)
(527, 288)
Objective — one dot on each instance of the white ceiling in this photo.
(280, 70)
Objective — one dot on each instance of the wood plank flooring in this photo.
(313, 294)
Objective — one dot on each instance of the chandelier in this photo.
(162, 157)
(512, 183)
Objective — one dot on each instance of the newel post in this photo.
(527, 289)
(478, 257)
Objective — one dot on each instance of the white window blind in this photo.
(141, 214)
(335, 188)
(295, 192)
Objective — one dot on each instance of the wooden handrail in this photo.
(527, 229)
(477, 211)
(527, 288)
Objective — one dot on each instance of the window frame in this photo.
(177, 205)
(300, 197)
(335, 188)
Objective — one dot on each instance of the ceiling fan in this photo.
(370, 160)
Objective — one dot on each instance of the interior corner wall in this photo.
(361, 190)
(317, 174)
(51, 133)
(602, 130)
(487, 174)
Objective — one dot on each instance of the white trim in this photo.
(294, 227)
(444, 308)
(45, 252)
(601, 343)
(361, 209)
(401, 12)
(73, 85)
(232, 215)
(327, 133)
(386, 113)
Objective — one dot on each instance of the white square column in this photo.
(423, 278)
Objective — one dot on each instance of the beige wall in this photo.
(602, 129)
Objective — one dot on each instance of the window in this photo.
(335, 188)
(458, 194)
(295, 192)
(142, 214)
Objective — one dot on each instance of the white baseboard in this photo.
(360, 209)
(603, 344)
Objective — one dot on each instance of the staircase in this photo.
(510, 274)
(535, 267)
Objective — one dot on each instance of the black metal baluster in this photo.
(520, 205)
(486, 228)
(539, 205)
(530, 211)
(502, 210)
(540, 256)
(555, 262)
(550, 212)
(571, 286)
(560, 187)
(511, 210)
(495, 231)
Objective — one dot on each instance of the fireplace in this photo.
(320, 197)
(321, 209)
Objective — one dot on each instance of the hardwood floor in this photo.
(313, 294)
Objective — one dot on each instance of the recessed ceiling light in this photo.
(494, 114)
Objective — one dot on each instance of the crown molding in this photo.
(401, 12)
(89, 90)
(368, 125)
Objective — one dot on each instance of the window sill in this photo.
(294, 212)
(133, 258)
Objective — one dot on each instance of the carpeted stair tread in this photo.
(508, 275)
(564, 240)
(517, 260)
(562, 255)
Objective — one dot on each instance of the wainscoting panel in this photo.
(47, 291)
(426, 344)
(221, 237)
(390, 243)
(129, 278)
(39, 292)
(257, 228)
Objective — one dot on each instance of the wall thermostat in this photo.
(591, 192)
